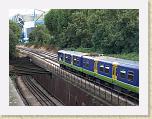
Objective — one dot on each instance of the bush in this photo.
(40, 36)
(107, 31)
(14, 35)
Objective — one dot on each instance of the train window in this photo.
(60, 58)
(87, 64)
(84, 61)
(77, 60)
(102, 67)
(69, 59)
(107, 69)
(66, 58)
(122, 73)
(74, 60)
(130, 75)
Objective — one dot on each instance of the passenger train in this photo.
(116, 72)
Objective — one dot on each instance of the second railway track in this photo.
(42, 98)
(29, 89)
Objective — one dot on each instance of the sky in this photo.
(29, 24)
(13, 12)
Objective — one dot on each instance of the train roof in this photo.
(112, 60)
(73, 53)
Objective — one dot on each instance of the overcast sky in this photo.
(13, 12)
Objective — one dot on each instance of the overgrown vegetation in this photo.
(40, 36)
(130, 56)
(14, 35)
(103, 31)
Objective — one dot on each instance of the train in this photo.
(119, 73)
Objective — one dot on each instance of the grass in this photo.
(85, 50)
(129, 56)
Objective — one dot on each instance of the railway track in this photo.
(48, 55)
(33, 94)
(53, 57)
(22, 70)
(28, 87)
(42, 98)
(27, 69)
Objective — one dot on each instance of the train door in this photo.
(114, 71)
(72, 59)
(96, 66)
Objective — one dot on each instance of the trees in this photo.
(117, 31)
(14, 35)
(107, 31)
(40, 36)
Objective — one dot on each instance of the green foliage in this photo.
(130, 56)
(40, 36)
(14, 35)
(107, 31)
(86, 50)
(15, 28)
(102, 31)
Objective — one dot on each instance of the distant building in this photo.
(18, 19)
(28, 22)
(27, 29)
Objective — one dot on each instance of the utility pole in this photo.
(39, 16)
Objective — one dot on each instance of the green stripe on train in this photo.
(126, 86)
(107, 79)
(71, 66)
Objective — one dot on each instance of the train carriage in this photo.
(115, 71)
(120, 72)
(71, 59)
(128, 76)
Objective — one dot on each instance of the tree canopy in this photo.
(110, 31)
(40, 36)
(14, 35)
